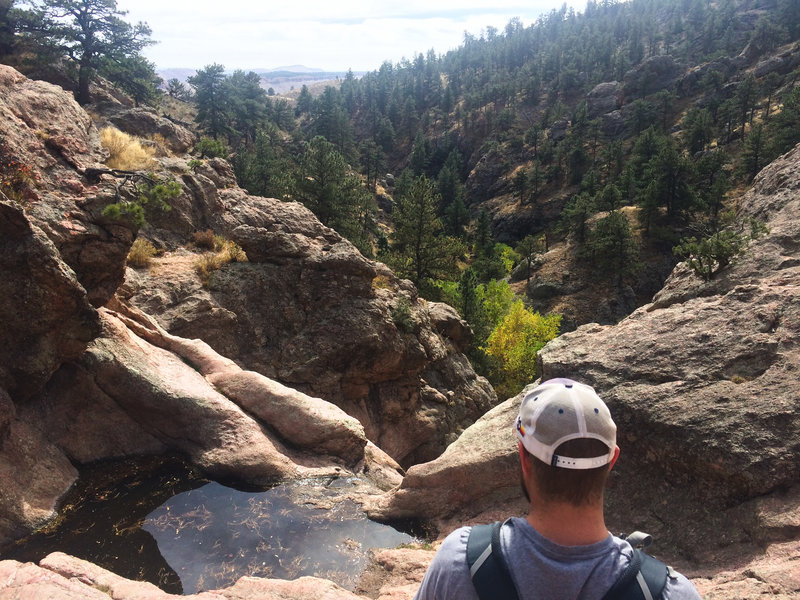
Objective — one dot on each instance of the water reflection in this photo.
(213, 535)
(157, 520)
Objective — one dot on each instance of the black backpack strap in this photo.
(643, 579)
(487, 566)
(655, 574)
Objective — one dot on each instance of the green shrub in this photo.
(210, 148)
(402, 317)
(708, 256)
(514, 344)
(507, 255)
(152, 194)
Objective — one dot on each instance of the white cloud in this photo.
(353, 34)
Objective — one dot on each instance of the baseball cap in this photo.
(560, 410)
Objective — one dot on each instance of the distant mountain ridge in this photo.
(291, 69)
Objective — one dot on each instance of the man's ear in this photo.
(614, 460)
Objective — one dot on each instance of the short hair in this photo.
(578, 487)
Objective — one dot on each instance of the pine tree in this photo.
(212, 99)
(752, 158)
(90, 32)
(135, 75)
(305, 102)
(176, 89)
(422, 252)
(247, 103)
(324, 184)
(372, 162)
(263, 168)
(6, 28)
(576, 215)
(419, 155)
(612, 249)
(528, 249)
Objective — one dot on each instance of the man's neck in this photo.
(568, 525)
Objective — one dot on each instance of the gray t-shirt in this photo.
(541, 569)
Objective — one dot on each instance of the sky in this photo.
(333, 35)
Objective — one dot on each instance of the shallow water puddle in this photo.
(163, 523)
(213, 535)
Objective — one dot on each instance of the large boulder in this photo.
(603, 98)
(691, 83)
(299, 420)
(45, 313)
(477, 471)
(35, 475)
(48, 129)
(486, 179)
(183, 396)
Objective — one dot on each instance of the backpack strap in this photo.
(487, 566)
(643, 579)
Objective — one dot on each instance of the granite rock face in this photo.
(654, 74)
(309, 311)
(63, 577)
(603, 98)
(57, 320)
(46, 130)
(712, 364)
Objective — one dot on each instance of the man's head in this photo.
(567, 442)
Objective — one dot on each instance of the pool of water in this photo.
(162, 522)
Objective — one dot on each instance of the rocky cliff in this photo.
(308, 310)
(86, 376)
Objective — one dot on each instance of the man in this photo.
(562, 550)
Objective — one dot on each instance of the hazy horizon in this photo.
(353, 34)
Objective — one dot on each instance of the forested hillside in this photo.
(606, 145)
(587, 152)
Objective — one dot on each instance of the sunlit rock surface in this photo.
(309, 311)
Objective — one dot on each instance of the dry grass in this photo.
(382, 282)
(226, 252)
(126, 152)
(141, 254)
